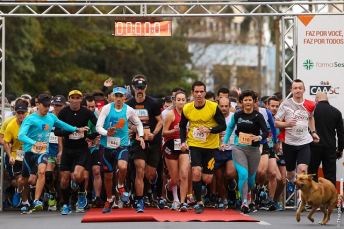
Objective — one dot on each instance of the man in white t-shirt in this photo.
(294, 117)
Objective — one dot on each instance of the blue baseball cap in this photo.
(120, 90)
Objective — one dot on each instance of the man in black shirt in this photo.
(146, 160)
(75, 148)
(328, 123)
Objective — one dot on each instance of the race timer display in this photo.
(143, 28)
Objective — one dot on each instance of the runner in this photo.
(55, 151)
(14, 150)
(146, 160)
(273, 105)
(178, 162)
(246, 154)
(113, 126)
(294, 117)
(224, 165)
(93, 159)
(206, 122)
(35, 133)
(75, 148)
(267, 165)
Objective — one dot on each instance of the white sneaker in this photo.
(114, 205)
(120, 204)
(52, 208)
(175, 205)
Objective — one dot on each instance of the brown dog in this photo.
(322, 195)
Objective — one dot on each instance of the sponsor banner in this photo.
(320, 60)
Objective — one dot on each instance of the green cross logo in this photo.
(308, 64)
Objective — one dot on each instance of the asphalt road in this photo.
(51, 220)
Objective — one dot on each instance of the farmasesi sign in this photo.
(320, 60)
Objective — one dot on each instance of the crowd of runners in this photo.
(120, 147)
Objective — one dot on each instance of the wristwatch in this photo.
(77, 129)
(260, 137)
(211, 129)
(314, 132)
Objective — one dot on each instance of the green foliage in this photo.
(56, 54)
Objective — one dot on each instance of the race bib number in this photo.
(146, 132)
(20, 155)
(177, 144)
(76, 136)
(39, 149)
(113, 142)
(244, 139)
(53, 139)
(299, 130)
(198, 135)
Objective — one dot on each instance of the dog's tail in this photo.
(324, 181)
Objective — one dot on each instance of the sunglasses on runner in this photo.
(140, 87)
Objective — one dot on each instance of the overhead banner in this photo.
(320, 60)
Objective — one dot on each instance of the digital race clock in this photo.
(143, 28)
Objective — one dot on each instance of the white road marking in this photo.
(264, 223)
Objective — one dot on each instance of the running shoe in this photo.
(97, 203)
(278, 206)
(26, 209)
(190, 200)
(253, 207)
(244, 208)
(120, 204)
(140, 207)
(52, 202)
(154, 180)
(107, 207)
(161, 204)
(16, 199)
(199, 208)
(82, 201)
(114, 205)
(212, 201)
(79, 209)
(66, 210)
(183, 207)
(123, 195)
(270, 206)
(221, 205)
(263, 205)
(175, 205)
(74, 185)
(37, 205)
(169, 194)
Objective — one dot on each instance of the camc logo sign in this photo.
(324, 87)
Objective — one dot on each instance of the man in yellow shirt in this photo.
(206, 122)
(14, 150)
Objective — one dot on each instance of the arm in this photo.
(182, 126)
(263, 127)
(272, 125)
(220, 120)
(340, 133)
(100, 123)
(311, 125)
(133, 118)
(66, 127)
(167, 123)
(22, 135)
(281, 124)
(229, 131)
(158, 126)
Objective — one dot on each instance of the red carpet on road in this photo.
(166, 215)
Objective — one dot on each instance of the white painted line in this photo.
(264, 223)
